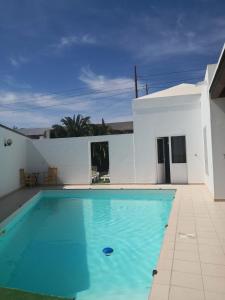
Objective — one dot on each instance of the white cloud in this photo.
(150, 39)
(37, 109)
(104, 84)
(105, 97)
(28, 100)
(17, 61)
(26, 119)
(12, 82)
(68, 41)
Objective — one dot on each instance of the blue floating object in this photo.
(107, 251)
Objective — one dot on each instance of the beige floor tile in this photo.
(188, 280)
(187, 266)
(214, 284)
(166, 253)
(211, 249)
(214, 296)
(213, 270)
(207, 234)
(169, 238)
(212, 258)
(162, 277)
(168, 245)
(164, 264)
(205, 241)
(186, 246)
(208, 228)
(159, 292)
(186, 255)
(180, 293)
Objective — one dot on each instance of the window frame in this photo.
(160, 156)
(182, 158)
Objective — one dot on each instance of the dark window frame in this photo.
(161, 159)
(178, 149)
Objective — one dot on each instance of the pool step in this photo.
(14, 294)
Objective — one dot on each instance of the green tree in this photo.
(72, 127)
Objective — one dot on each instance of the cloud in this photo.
(17, 61)
(10, 81)
(104, 84)
(69, 41)
(26, 119)
(113, 95)
(38, 109)
(31, 101)
(150, 39)
(105, 97)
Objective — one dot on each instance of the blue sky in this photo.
(60, 58)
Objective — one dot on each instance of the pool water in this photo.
(56, 246)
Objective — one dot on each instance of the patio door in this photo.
(163, 160)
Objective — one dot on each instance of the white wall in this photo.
(206, 123)
(218, 146)
(170, 116)
(73, 159)
(12, 158)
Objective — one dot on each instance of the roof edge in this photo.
(13, 130)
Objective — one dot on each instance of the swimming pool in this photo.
(54, 244)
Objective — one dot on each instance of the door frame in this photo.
(170, 155)
(164, 156)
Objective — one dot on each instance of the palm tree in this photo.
(72, 127)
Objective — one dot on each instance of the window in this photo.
(160, 147)
(178, 146)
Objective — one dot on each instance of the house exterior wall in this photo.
(72, 157)
(213, 121)
(168, 116)
(218, 146)
(207, 130)
(12, 158)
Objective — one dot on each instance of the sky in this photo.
(59, 58)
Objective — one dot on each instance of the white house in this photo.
(179, 137)
(179, 133)
(168, 136)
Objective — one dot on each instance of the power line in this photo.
(180, 77)
(174, 82)
(174, 72)
(96, 93)
(52, 105)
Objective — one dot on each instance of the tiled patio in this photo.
(192, 259)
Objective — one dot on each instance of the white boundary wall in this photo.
(12, 158)
(72, 157)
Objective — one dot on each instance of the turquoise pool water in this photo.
(54, 245)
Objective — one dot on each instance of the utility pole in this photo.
(135, 81)
(146, 89)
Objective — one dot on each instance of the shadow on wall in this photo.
(38, 164)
